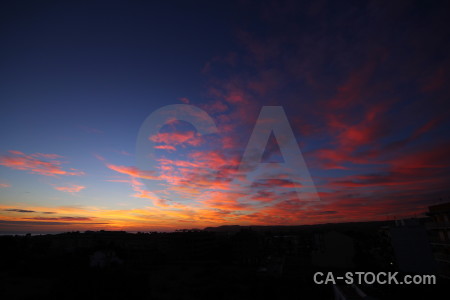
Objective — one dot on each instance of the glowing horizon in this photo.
(369, 112)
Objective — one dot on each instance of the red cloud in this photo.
(215, 107)
(436, 81)
(353, 90)
(203, 169)
(177, 138)
(33, 163)
(433, 158)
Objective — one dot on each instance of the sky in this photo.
(157, 116)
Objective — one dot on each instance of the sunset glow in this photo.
(369, 112)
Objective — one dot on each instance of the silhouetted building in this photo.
(439, 232)
(411, 247)
(334, 249)
(103, 259)
(349, 292)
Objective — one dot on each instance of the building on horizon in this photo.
(439, 233)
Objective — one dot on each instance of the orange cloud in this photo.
(225, 201)
(34, 163)
(169, 204)
(133, 172)
(70, 189)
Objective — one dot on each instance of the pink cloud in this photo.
(123, 152)
(177, 138)
(47, 156)
(165, 147)
(169, 204)
(34, 163)
(184, 100)
(4, 185)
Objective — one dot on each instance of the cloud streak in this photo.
(37, 163)
(70, 189)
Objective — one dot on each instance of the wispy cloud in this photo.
(4, 185)
(70, 189)
(36, 224)
(37, 163)
(91, 130)
(184, 100)
(177, 138)
(61, 219)
(19, 210)
(133, 171)
(166, 147)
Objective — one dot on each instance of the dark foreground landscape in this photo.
(227, 262)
